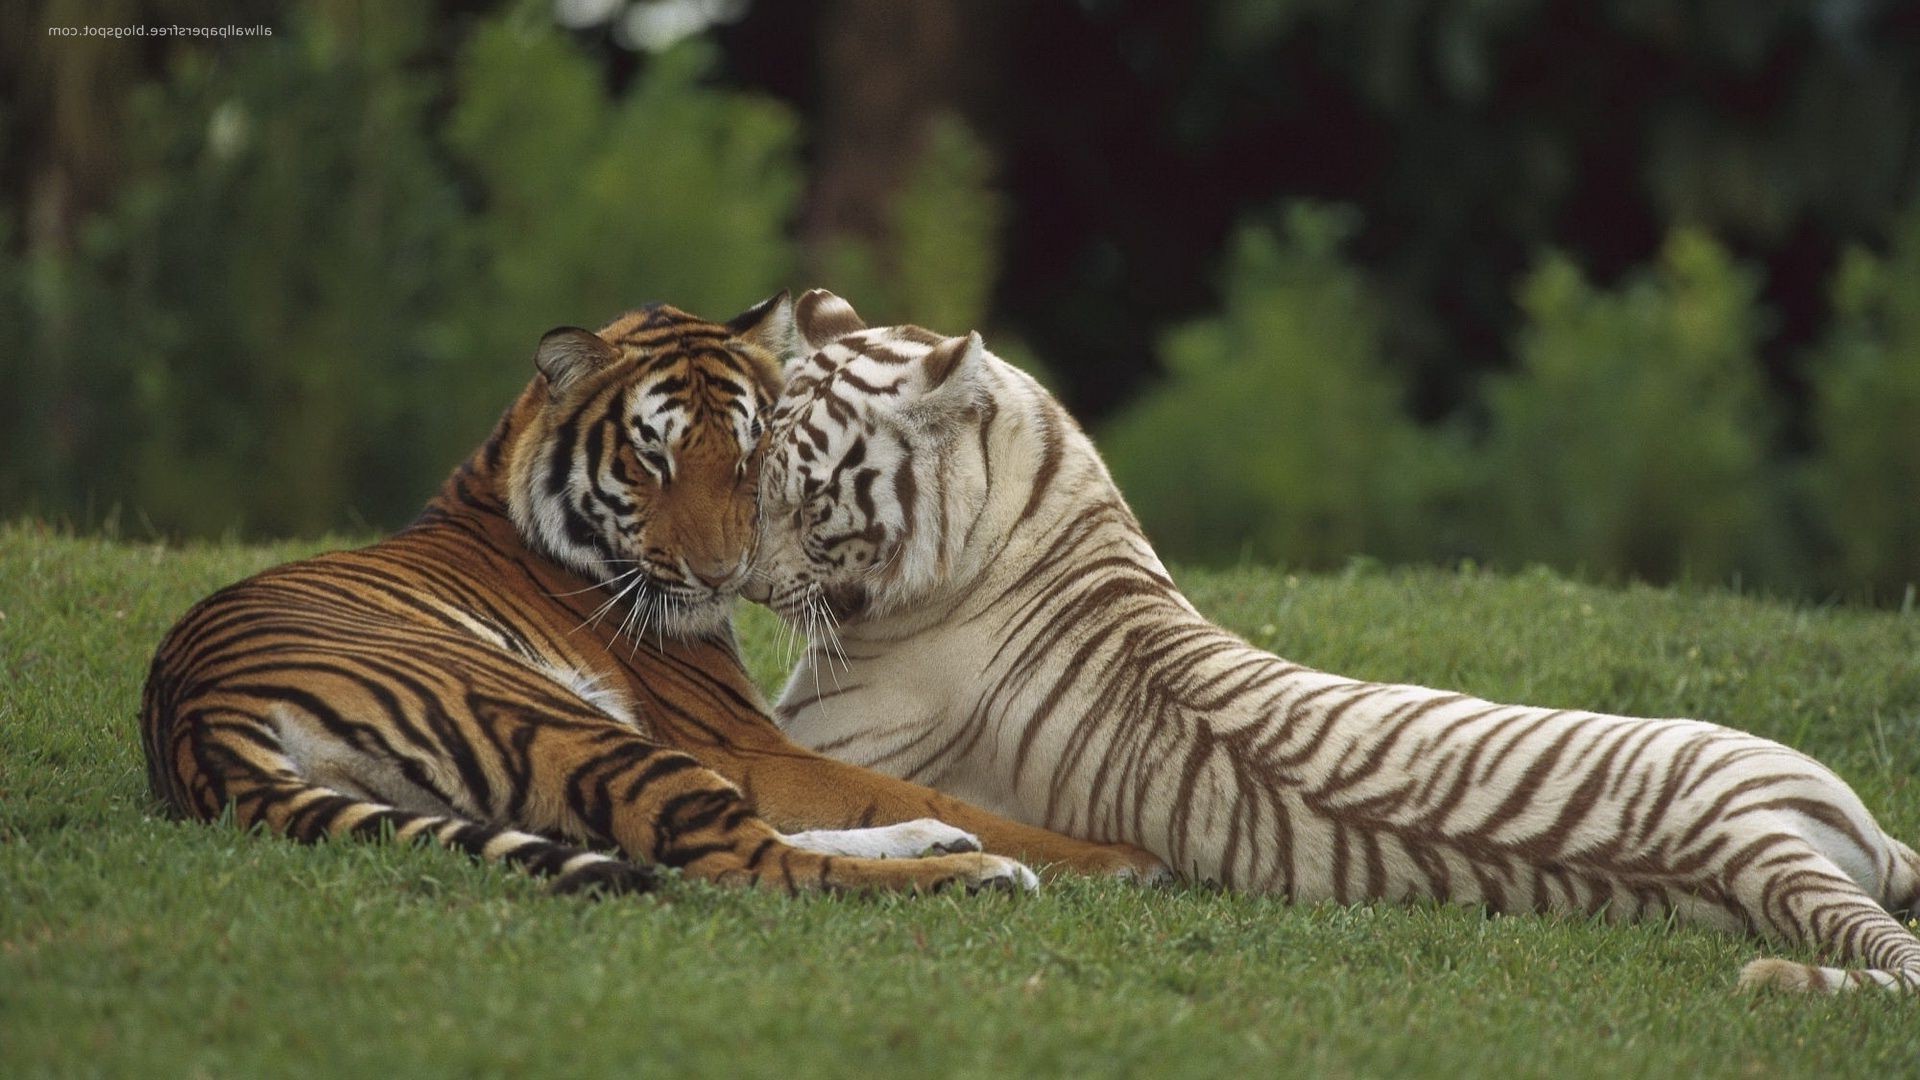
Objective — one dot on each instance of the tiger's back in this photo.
(362, 646)
(269, 695)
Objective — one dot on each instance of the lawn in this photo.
(135, 946)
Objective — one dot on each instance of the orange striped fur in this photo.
(541, 669)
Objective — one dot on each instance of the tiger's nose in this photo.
(713, 574)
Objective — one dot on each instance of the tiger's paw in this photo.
(1157, 873)
(1128, 863)
(907, 840)
(1001, 874)
(1769, 973)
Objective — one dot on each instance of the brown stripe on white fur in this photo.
(1018, 643)
(822, 317)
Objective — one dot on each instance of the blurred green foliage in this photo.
(1864, 479)
(305, 307)
(241, 337)
(944, 224)
(1280, 432)
(1631, 438)
(328, 254)
(1634, 440)
(942, 257)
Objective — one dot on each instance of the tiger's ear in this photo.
(951, 379)
(768, 324)
(956, 356)
(566, 353)
(824, 318)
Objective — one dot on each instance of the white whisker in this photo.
(598, 584)
(601, 611)
(830, 631)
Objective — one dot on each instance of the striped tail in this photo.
(573, 869)
(1770, 973)
(1903, 882)
(1878, 934)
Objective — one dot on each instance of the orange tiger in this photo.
(450, 682)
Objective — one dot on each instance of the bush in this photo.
(1630, 442)
(305, 307)
(942, 255)
(1865, 474)
(233, 340)
(1279, 433)
(943, 232)
(589, 206)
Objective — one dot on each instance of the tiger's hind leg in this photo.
(233, 759)
(1902, 893)
(1799, 895)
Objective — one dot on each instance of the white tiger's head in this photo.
(872, 473)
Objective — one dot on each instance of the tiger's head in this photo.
(875, 465)
(637, 463)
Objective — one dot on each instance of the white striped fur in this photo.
(1006, 633)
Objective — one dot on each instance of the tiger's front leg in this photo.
(907, 840)
(796, 788)
(602, 781)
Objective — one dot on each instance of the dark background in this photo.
(1627, 287)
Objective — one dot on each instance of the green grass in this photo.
(130, 945)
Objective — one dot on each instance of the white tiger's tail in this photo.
(1876, 935)
(1773, 973)
(1903, 884)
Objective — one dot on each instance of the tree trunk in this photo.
(887, 67)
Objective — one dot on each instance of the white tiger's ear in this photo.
(566, 353)
(952, 378)
(824, 318)
(768, 324)
(952, 357)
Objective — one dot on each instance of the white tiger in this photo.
(1006, 633)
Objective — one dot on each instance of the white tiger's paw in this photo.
(907, 840)
(1776, 974)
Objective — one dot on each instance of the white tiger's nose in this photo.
(757, 588)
